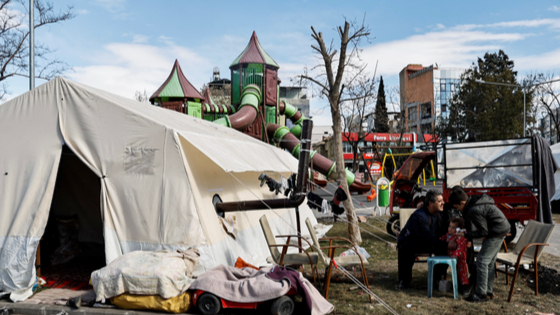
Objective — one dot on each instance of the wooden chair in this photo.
(527, 251)
(284, 258)
(345, 261)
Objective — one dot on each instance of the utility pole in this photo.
(31, 46)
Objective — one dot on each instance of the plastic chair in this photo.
(452, 262)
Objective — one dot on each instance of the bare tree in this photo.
(548, 100)
(335, 71)
(141, 97)
(354, 114)
(14, 43)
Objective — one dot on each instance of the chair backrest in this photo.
(324, 259)
(270, 239)
(404, 215)
(535, 232)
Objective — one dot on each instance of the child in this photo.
(461, 252)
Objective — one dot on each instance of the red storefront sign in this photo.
(379, 137)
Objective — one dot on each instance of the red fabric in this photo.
(461, 254)
(240, 263)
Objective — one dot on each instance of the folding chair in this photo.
(345, 261)
(527, 251)
(284, 258)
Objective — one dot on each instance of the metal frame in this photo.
(531, 143)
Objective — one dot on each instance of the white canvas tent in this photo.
(556, 153)
(156, 172)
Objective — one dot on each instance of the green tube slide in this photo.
(251, 96)
(350, 177)
(289, 110)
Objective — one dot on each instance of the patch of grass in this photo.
(556, 218)
(382, 269)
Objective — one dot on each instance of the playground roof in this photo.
(177, 85)
(254, 53)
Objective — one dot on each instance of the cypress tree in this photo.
(381, 118)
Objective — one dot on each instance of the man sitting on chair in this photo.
(419, 236)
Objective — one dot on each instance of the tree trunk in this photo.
(353, 230)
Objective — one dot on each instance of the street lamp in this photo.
(519, 86)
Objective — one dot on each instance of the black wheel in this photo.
(282, 306)
(394, 225)
(512, 231)
(209, 304)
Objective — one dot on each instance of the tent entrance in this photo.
(72, 245)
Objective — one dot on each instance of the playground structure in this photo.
(255, 107)
(392, 155)
(376, 157)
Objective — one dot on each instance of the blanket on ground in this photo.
(248, 285)
(164, 273)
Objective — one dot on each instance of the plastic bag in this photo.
(351, 252)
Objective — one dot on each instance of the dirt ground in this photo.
(382, 271)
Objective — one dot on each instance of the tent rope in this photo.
(362, 229)
(362, 206)
(374, 217)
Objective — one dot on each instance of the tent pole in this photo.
(296, 198)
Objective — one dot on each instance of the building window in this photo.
(442, 87)
(444, 107)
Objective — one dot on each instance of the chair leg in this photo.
(507, 274)
(327, 281)
(430, 276)
(513, 282)
(536, 278)
(496, 270)
(364, 278)
(313, 273)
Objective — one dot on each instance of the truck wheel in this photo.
(282, 306)
(512, 231)
(393, 225)
(209, 304)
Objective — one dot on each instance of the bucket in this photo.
(383, 195)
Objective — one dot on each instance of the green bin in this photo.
(383, 195)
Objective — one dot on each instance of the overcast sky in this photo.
(125, 46)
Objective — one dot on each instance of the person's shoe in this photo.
(402, 286)
(476, 299)
(75, 302)
(490, 296)
(465, 290)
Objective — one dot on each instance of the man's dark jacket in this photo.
(420, 232)
(488, 220)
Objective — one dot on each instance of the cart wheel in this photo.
(282, 306)
(209, 304)
(393, 225)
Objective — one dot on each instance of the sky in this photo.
(124, 46)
